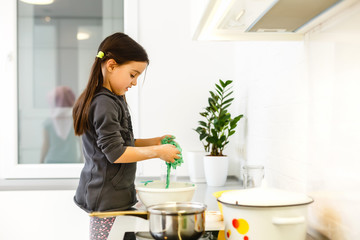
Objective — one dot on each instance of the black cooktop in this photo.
(208, 235)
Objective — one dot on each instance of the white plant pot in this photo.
(195, 162)
(216, 170)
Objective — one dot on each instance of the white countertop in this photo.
(204, 193)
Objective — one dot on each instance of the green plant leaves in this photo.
(225, 84)
(227, 95)
(204, 114)
(202, 133)
(234, 121)
(202, 123)
(218, 126)
(227, 101)
(219, 88)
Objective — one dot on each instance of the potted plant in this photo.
(215, 130)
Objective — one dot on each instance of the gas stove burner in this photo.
(143, 236)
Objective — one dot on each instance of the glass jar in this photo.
(252, 175)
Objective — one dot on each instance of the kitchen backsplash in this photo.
(303, 124)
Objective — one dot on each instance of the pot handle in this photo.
(288, 220)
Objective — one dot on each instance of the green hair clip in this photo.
(100, 54)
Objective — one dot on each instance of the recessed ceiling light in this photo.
(82, 36)
(38, 2)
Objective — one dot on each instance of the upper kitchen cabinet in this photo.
(267, 20)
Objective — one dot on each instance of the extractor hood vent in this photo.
(224, 18)
(291, 15)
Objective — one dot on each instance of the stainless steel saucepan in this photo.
(177, 220)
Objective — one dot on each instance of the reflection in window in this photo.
(57, 44)
(60, 145)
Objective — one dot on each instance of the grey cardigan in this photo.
(105, 185)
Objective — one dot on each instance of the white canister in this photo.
(264, 213)
(195, 163)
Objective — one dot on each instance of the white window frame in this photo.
(9, 167)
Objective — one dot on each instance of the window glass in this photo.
(57, 44)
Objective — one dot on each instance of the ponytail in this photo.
(82, 104)
(122, 49)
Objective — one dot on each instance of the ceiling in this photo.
(68, 8)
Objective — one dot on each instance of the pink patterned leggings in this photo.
(100, 227)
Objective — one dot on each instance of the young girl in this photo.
(102, 119)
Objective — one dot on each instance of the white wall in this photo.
(179, 77)
(334, 130)
(303, 121)
(276, 109)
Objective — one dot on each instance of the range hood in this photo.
(227, 19)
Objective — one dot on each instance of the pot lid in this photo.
(264, 197)
(177, 208)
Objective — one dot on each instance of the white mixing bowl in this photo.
(151, 193)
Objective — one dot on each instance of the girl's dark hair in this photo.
(122, 49)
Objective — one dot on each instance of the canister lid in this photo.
(264, 197)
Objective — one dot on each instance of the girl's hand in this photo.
(168, 152)
(162, 137)
(147, 142)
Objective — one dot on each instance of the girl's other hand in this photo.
(162, 137)
(168, 153)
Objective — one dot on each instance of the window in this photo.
(47, 59)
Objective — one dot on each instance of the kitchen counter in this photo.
(38, 184)
(203, 193)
